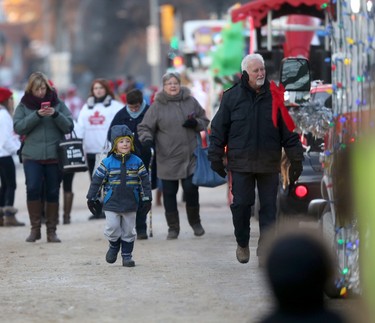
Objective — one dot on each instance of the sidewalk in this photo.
(186, 280)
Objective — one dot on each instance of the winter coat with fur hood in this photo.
(174, 144)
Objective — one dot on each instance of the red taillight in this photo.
(301, 191)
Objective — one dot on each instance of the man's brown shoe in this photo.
(243, 254)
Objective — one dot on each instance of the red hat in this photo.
(5, 94)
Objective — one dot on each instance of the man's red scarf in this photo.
(278, 104)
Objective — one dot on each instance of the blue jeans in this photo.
(243, 190)
(42, 180)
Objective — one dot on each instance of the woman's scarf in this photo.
(34, 103)
(136, 114)
(177, 97)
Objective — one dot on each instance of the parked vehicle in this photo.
(293, 200)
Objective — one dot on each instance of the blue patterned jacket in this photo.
(124, 180)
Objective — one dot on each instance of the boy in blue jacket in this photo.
(125, 181)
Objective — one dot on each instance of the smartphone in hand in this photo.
(45, 105)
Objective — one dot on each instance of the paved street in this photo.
(190, 279)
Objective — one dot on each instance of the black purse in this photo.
(71, 155)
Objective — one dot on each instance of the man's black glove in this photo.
(190, 123)
(218, 167)
(95, 207)
(295, 170)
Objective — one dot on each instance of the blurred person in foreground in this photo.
(245, 127)
(93, 123)
(173, 122)
(298, 266)
(9, 145)
(131, 115)
(43, 127)
(125, 183)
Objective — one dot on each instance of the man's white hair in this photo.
(248, 58)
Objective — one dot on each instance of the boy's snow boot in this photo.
(35, 212)
(173, 222)
(68, 202)
(126, 253)
(113, 250)
(52, 216)
(10, 217)
(194, 220)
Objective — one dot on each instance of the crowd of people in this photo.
(44, 117)
(148, 145)
(163, 136)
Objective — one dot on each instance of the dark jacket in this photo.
(244, 124)
(124, 179)
(123, 117)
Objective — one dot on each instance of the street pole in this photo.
(154, 22)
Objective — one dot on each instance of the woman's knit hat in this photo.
(5, 94)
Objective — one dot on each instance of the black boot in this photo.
(195, 220)
(173, 221)
(114, 248)
(126, 253)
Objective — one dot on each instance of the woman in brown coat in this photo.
(172, 123)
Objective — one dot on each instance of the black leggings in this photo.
(91, 163)
(68, 182)
(8, 181)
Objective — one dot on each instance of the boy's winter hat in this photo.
(5, 94)
(120, 131)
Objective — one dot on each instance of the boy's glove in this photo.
(295, 170)
(190, 123)
(95, 207)
(218, 167)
